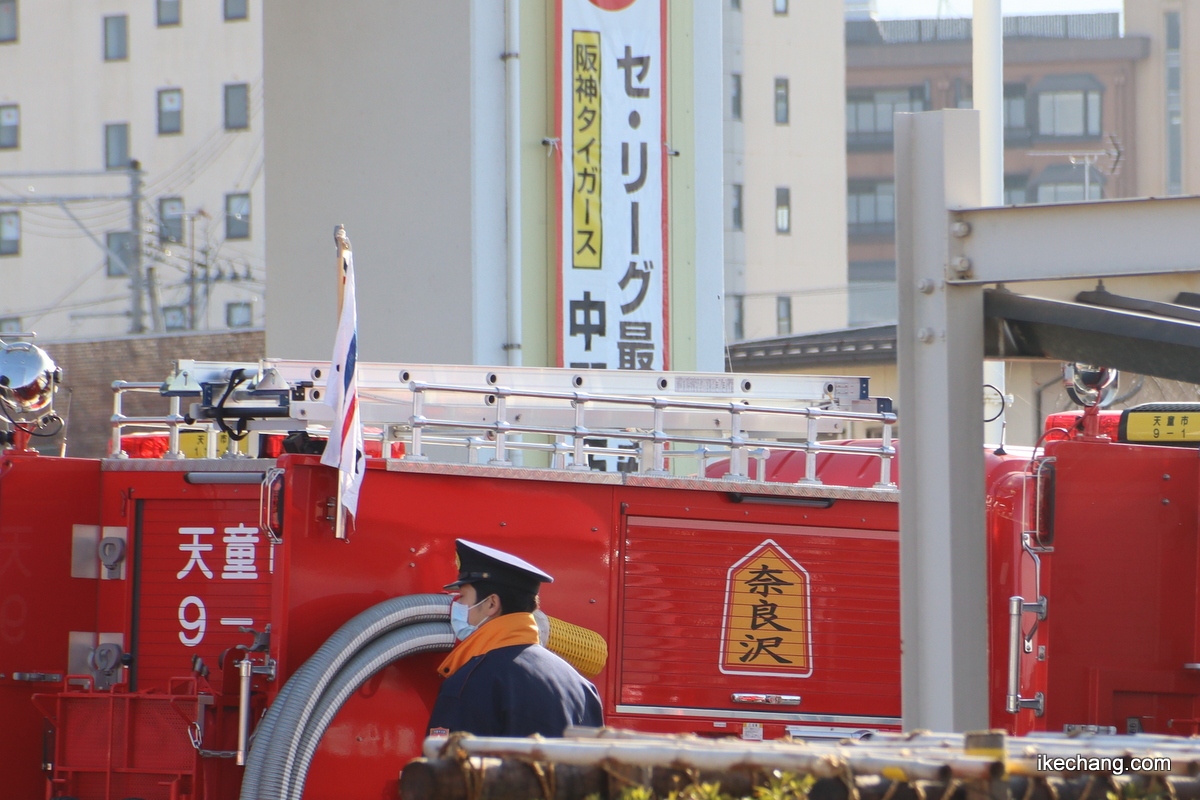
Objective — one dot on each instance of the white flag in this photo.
(345, 447)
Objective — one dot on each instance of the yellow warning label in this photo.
(585, 149)
(1159, 426)
(767, 617)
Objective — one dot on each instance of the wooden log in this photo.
(512, 779)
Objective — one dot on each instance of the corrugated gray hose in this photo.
(277, 739)
(424, 637)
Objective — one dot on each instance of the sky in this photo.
(911, 9)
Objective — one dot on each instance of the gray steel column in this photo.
(943, 553)
(136, 284)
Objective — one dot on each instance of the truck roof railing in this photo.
(666, 423)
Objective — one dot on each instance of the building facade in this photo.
(131, 167)
(1168, 90)
(1072, 115)
(785, 252)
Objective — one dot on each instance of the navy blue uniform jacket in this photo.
(516, 691)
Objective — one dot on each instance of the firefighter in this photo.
(499, 680)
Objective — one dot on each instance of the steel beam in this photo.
(1148, 344)
(1101, 239)
(943, 554)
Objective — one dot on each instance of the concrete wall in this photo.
(369, 125)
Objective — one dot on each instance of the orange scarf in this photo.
(503, 631)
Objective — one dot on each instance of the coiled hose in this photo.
(277, 741)
(407, 641)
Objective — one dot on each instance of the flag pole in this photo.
(343, 251)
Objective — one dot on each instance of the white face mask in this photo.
(458, 619)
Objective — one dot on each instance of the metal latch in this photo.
(767, 699)
(112, 553)
(1091, 730)
(38, 677)
(106, 661)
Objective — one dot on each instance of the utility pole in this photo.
(192, 272)
(136, 325)
(151, 284)
(207, 284)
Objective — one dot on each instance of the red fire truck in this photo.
(725, 549)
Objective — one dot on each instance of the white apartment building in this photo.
(88, 87)
(785, 168)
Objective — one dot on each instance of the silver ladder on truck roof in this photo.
(672, 424)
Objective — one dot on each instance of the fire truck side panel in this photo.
(199, 570)
(1011, 572)
(680, 581)
(40, 602)
(1124, 607)
(402, 542)
(820, 590)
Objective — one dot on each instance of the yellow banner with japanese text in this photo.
(585, 148)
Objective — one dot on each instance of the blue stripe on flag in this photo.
(351, 360)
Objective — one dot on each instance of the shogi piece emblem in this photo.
(768, 621)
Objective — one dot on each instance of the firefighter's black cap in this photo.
(477, 562)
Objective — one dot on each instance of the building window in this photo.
(236, 9)
(871, 208)
(872, 292)
(116, 146)
(781, 7)
(116, 38)
(8, 20)
(1015, 189)
(170, 110)
(237, 216)
(239, 315)
(736, 5)
(1068, 192)
(120, 253)
(783, 315)
(1067, 183)
(168, 12)
(10, 233)
(783, 210)
(10, 126)
(1174, 65)
(739, 317)
(237, 106)
(10, 325)
(1014, 103)
(869, 115)
(737, 206)
(1069, 113)
(781, 101)
(1014, 106)
(735, 96)
(170, 218)
(175, 318)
